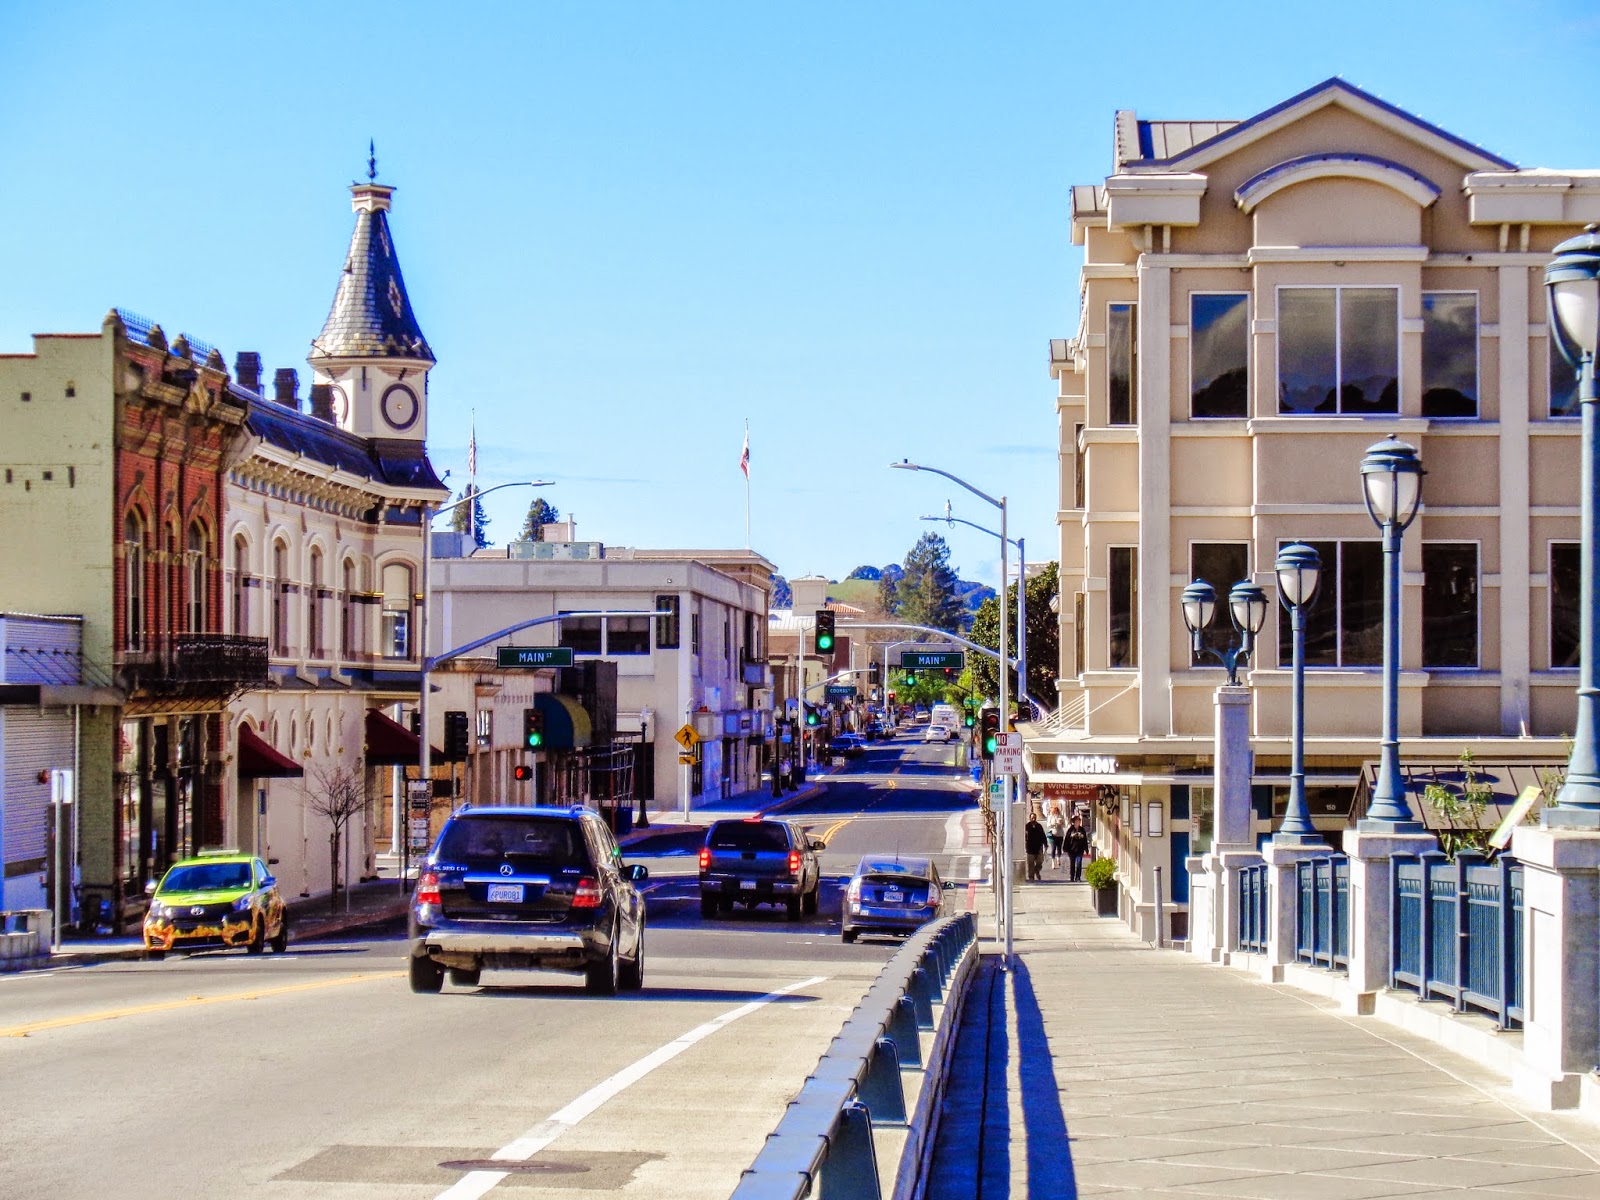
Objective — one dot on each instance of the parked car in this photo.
(891, 894)
(757, 861)
(848, 745)
(530, 888)
(936, 733)
(218, 898)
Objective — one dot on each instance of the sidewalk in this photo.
(1101, 1066)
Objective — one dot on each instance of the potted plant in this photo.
(1101, 875)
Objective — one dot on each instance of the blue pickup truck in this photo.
(759, 861)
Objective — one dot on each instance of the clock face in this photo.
(340, 404)
(399, 406)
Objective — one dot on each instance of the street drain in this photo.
(512, 1167)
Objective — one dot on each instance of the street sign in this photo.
(686, 760)
(1008, 754)
(841, 691)
(533, 656)
(931, 660)
(419, 828)
(419, 789)
(686, 737)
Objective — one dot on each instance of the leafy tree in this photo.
(540, 513)
(1044, 637)
(470, 518)
(865, 572)
(782, 597)
(925, 594)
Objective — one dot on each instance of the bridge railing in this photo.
(1322, 912)
(1457, 929)
(823, 1143)
(1253, 910)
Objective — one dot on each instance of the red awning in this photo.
(258, 760)
(391, 744)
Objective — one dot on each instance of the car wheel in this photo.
(258, 938)
(809, 902)
(601, 978)
(426, 975)
(154, 955)
(724, 905)
(280, 944)
(631, 973)
(793, 904)
(465, 976)
(848, 935)
(708, 906)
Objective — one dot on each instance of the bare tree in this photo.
(338, 794)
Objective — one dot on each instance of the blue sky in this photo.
(627, 228)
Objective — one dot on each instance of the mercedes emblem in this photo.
(505, 868)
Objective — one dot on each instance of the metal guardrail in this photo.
(1253, 909)
(824, 1139)
(1457, 930)
(1322, 912)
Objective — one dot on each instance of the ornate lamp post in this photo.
(1391, 482)
(1573, 283)
(1247, 608)
(1299, 569)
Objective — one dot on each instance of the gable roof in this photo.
(1193, 144)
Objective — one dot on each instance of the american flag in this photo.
(744, 458)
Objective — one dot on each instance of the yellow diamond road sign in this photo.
(686, 737)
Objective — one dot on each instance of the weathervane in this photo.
(372, 160)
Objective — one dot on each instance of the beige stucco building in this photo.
(1261, 301)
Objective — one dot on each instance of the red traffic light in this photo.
(522, 774)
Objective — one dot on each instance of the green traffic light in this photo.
(971, 720)
(811, 718)
(535, 740)
(990, 743)
(825, 641)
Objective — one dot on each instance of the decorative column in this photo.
(1233, 843)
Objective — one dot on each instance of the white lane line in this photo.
(475, 1184)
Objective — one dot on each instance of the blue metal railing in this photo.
(1253, 909)
(1456, 932)
(1322, 912)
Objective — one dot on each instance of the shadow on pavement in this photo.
(651, 995)
(970, 1160)
(1050, 1174)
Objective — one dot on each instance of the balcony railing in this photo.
(1458, 930)
(195, 664)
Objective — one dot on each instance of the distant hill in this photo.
(861, 588)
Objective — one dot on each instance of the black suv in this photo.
(537, 888)
(757, 861)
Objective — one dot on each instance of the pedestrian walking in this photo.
(1033, 843)
(1077, 845)
(1055, 828)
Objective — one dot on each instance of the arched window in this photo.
(397, 599)
(195, 567)
(241, 586)
(315, 642)
(134, 616)
(280, 598)
(347, 611)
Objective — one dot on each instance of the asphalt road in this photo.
(319, 1074)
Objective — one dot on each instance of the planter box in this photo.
(1105, 901)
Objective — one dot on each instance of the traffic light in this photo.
(989, 736)
(970, 719)
(455, 736)
(521, 773)
(911, 679)
(949, 672)
(824, 634)
(532, 728)
(874, 674)
(416, 722)
(811, 717)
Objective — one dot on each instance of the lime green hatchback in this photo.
(219, 898)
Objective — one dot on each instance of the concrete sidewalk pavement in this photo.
(1100, 1066)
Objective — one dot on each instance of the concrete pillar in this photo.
(1215, 934)
(1370, 881)
(1560, 962)
(1283, 890)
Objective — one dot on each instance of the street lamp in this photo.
(1573, 283)
(1247, 609)
(1003, 855)
(1391, 482)
(1299, 570)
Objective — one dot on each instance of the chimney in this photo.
(247, 370)
(285, 385)
(322, 402)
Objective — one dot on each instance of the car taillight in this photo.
(428, 888)
(588, 894)
(854, 891)
(794, 862)
(705, 858)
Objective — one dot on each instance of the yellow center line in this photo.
(190, 1002)
(827, 834)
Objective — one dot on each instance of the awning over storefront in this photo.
(258, 760)
(1504, 781)
(391, 744)
(566, 724)
(1114, 778)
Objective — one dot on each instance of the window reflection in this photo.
(1449, 604)
(1563, 384)
(1307, 362)
(1338, 350)
(1121, 365)
(1219, 346)
(1449, 354)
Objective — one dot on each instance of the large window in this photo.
(1221, 564)
(667, 627)
(1122, 364)
(1564, 602)
(581, 635)
(1338, 350)
(397, 601)
(1080, 467)
(1449, 604)
(628, 635)
(1449, 354)
(1079, 632)
(241, 586)
(1219, 354)
(347, 611)
(316, 641)
(1344, 627)
(1563, 384)
(280, 598)
(194, 562)
(1123, 606)
(133, 581)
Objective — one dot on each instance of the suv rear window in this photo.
(545, 842)
(748, 835)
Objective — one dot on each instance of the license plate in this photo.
(893, 897)
(505, 893)
(749, 884)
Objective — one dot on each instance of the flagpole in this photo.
(747, 484)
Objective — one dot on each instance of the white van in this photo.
(947, 715)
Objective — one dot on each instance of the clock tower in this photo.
(371, 352)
